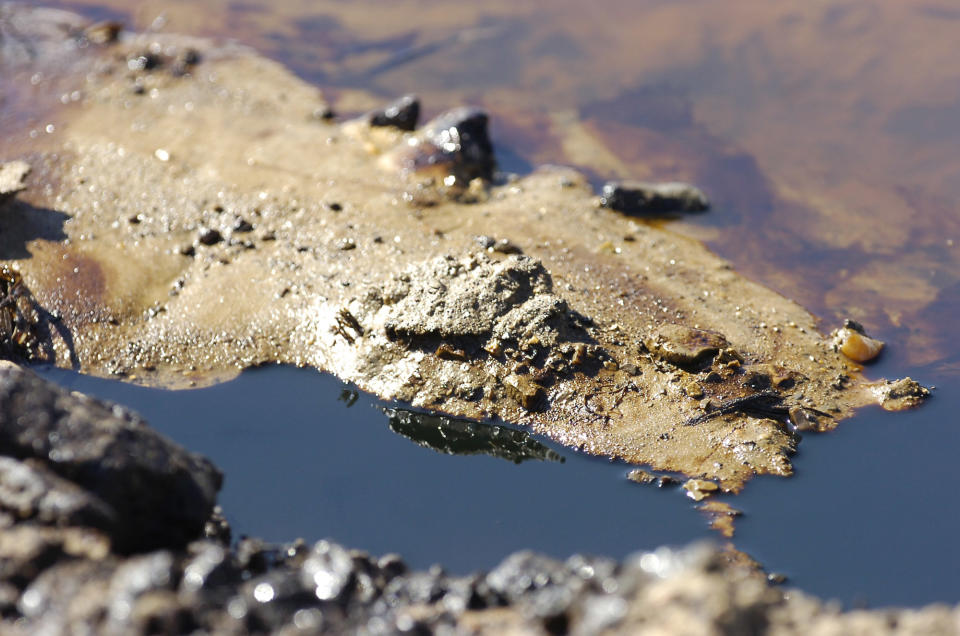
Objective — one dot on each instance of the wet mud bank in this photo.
(213, 217)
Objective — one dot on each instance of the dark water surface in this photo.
(826, 135)
(302, 461)
(868, 518)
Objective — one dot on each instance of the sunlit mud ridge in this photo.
(194, 211)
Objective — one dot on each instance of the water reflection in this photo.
(453, 436)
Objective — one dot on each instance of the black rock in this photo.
(638, 197)
(402, 114)
(460, 137)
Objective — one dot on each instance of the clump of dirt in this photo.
(491, 303)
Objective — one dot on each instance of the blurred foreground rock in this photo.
(73, 460)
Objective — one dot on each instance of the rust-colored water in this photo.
(827, 133)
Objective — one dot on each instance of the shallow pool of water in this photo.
(303, 459)
(867, 519)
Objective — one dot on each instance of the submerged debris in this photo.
(401, 114)
(638, 197)
(13, 175)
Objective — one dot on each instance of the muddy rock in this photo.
(640, 476)
(642, 198)
(13, 176)
(469, 298)
(500, 317)
(684, 346)
(123, 476)
(902, 394)
(700, 489)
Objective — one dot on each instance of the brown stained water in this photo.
(826, 134)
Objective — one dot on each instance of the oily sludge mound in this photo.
(195, 211)
(98, 535)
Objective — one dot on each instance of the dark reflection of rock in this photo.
(459, 437)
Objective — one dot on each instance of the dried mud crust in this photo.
(215, 222)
